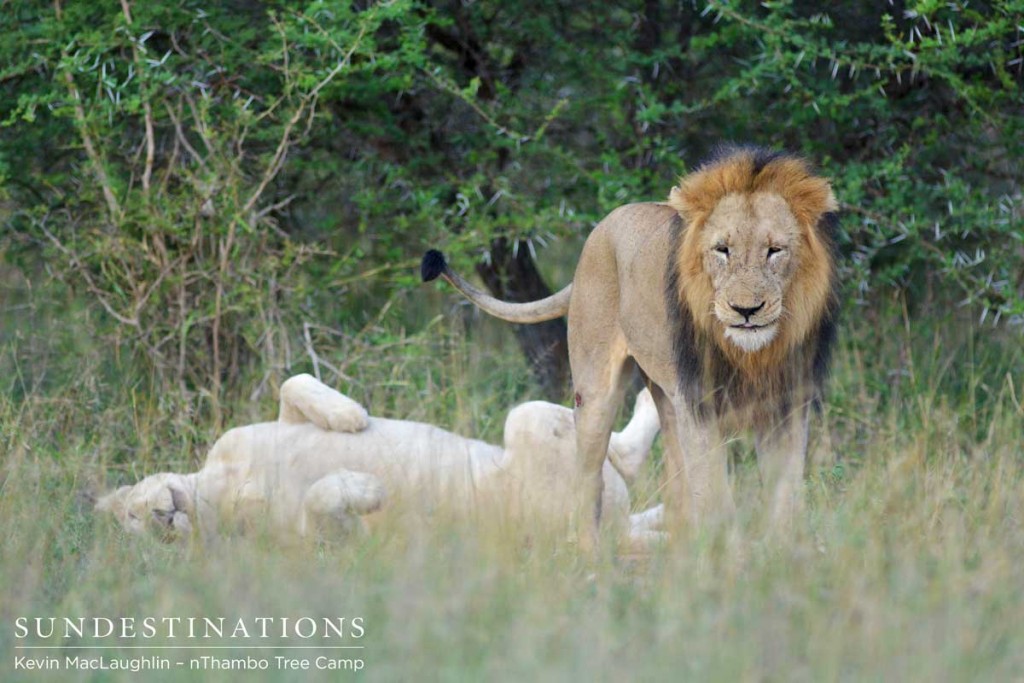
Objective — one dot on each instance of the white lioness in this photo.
(325, 462)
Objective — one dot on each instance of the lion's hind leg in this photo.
(599, 386)
(595, 415)
(306, 399)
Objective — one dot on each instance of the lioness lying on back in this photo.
(325, 462)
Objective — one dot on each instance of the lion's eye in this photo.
(722, 249)
(773, 250)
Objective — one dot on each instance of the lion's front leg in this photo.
(781, 452)
(705, 460)
(696, 488)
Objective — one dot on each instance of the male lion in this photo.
(725, 297)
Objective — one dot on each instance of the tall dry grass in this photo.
(909, 564)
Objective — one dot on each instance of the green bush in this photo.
(227, 183)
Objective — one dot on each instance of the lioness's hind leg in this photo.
(651, 519)
(306, 399)
(646, 529)
(628, 449)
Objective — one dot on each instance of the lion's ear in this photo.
(114, 502)
(677, 200)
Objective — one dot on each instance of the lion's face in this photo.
(749, 245)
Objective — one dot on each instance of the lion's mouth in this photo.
(751, 336)
(753, 327)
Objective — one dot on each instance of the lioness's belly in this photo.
(412, 459)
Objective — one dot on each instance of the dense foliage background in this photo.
(242, 189)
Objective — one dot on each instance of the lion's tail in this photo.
(554, 306)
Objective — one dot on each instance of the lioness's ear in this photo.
(184, 508)
(176, 520)
(181, 499)
(114, 502)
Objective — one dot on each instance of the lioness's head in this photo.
(160, 504)
(755, 270)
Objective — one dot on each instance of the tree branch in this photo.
(147, 110)
(113, 206)
(308, 101)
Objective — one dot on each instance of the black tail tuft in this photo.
(433, 265)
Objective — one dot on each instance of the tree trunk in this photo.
(514, 277)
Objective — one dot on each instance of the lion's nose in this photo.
(747, 312)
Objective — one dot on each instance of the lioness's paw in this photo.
(345, 492)
(351, 418)
(646, 541)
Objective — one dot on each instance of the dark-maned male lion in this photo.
(725, 298)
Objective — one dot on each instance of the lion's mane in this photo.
(714, 374)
